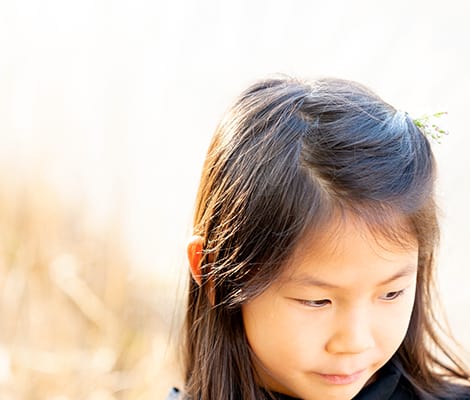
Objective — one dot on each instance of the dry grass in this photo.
(73, 323)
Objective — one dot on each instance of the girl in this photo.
(312, 257)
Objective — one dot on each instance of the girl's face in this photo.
(337, 315)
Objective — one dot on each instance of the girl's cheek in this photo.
(306, 329)
(391, 326)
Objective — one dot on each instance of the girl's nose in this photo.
(352, 334)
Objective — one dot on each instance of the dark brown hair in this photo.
(286, 157)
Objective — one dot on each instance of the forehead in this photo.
(349, 251)
(393, 235)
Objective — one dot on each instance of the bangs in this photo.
(390, 228)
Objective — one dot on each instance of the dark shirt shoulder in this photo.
(393, 385)
(456, 392)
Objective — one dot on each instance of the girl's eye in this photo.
(392, 295)
(315, 303)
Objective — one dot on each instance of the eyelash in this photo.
(395, 296)
(323, 303)
(314, 303)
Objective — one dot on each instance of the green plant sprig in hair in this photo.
(427, 125)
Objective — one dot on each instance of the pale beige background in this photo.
(114, 102)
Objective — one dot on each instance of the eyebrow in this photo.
(305, 280)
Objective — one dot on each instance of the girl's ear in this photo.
(194, 256)
(195, 249)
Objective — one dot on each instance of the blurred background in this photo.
(106, 111)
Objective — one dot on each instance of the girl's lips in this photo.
(342, 379)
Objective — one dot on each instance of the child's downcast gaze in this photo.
(312, 259)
